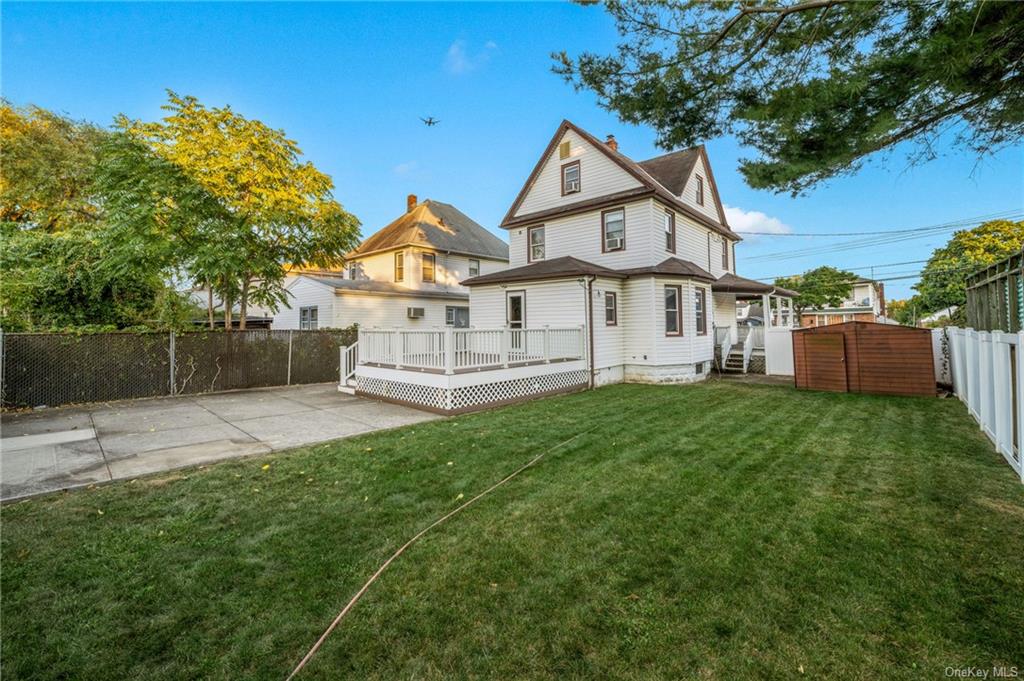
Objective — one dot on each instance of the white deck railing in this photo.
(451, 350)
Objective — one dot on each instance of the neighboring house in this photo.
(639, 253)
(405, 275)
(866, 303)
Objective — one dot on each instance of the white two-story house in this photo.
(865, 303)
(619, 271)
(407, 274)
(640, 253)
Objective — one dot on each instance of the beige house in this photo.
(407, 274)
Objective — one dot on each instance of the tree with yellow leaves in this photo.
(281, 209)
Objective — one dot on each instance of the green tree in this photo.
(280, 210)
(63, 265)
(46, 174)
(814, 86)
(821, 287)
(944, 278)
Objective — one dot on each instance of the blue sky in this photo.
(350, 81)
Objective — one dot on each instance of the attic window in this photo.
(571, 178)
(563, 151)
(399, 266)
(700, 190)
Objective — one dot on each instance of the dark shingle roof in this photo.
(672, 170)
(730, 283)
(672, 267)
(436, 225)
(381, 287)
(557, 268)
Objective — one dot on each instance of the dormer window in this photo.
(699, 190)
(571, 178)
(613, 230)
(535, 247)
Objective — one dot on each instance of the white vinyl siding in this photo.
(688, 348)
(449, 269)
(694, 242)
(581, 237)
(303, 292)
(370, 310)
(599, 176)
(690, 191)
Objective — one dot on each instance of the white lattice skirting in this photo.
(466, 392)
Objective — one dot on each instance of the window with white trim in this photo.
(474, 267)
(308, 318)
(352, 270)
(611, 309)
(535, 236)
(399, 266)
(673, 311)
(670, 231)
(700, 305)
(429, 260)
(613, 230)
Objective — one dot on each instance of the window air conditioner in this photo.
(572, 186)
(613, 244)
(414, 312)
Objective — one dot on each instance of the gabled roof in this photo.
(341, 285)
(730, 283)
(436, 225)
(672, 267)
(669, 166)
(672, 170)
(557, 268)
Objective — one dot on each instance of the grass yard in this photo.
(714, 531)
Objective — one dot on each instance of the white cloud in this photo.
(458, 60)
(754, 221)
(405, 168)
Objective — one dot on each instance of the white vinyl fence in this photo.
(988, 376)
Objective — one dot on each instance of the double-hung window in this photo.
(611, 309)
(725, 254)
(700, 303)
(571, 178)
(429, 260)
(535, 247)
(474, 267)
(399, 266)
(308, 318)
(673, 311)
(700, 190)
(613, 230)
(670, 231)
(352, 270)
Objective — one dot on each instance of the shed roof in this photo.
(730, 283)
(436, 225)
(672, 267)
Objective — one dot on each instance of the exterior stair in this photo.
(734, 363)
(348, 387)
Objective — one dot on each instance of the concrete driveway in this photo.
(55, 449)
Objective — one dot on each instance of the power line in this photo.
(851, 269)
(990, 216)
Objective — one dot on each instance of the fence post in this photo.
(1019, 356)
(505, 344)
(289, 379)
(449, 350)
(170, 353)
(547, 344)
(583, 341)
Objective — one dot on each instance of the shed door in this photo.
(825, 358)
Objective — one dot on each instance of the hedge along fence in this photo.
(52, 369)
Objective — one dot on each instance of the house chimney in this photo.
(612, 144)
(410, 203)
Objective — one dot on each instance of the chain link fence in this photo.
(52, 369)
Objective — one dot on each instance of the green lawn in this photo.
(714, 531)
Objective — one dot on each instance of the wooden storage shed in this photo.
(864, 357)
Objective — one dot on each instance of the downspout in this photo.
(588, 317)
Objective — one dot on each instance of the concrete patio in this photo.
(55, 449)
